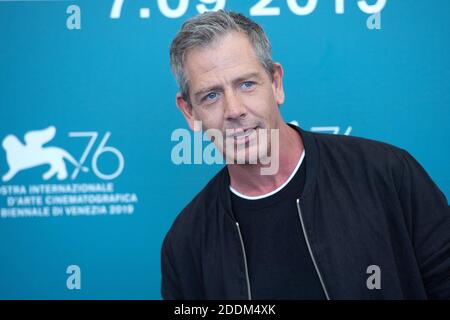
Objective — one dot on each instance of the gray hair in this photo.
(203, 29)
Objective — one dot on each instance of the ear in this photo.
(277, 83)
(186, 109)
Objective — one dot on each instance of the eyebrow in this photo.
(234, 82)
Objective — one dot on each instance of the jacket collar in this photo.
(312, 168)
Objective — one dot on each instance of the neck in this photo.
(247, 178)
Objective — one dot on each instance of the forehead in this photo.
(225, 57)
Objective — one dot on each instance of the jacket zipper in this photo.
(310, 251)
(245, 262)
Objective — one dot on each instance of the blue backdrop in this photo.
(92, 82)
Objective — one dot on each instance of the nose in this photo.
(234, 108)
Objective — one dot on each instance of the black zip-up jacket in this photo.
(365, 203)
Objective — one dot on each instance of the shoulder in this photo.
(189, 223)
(357, 147)
(361, 155)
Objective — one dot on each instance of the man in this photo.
(341, 217)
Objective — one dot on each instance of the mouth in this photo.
(240, 133)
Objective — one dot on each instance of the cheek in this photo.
(211, 118)
(261, 103)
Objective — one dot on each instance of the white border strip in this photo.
(274, 191)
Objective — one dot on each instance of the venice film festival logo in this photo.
(60, 199)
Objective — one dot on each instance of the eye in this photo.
(247, 85)
(210, 96)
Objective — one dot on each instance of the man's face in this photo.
(231, 91)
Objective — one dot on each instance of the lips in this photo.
(240, 133)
